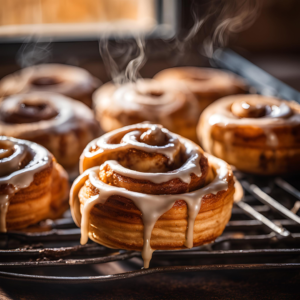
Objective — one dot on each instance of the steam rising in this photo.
(118, 59)
(214, 23)
(33, 53)
(132, 69)
(230, 17)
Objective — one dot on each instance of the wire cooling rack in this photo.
(263, 232)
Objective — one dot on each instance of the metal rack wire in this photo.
(263, 233)
(247, 243)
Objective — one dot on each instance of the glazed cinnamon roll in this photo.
(254, 133)
(70, 81)
(62, 125)
(145, 188)
(33, 186)
(147, 100)
(206, 84)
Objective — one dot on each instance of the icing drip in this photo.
(13, 154)
(151, 206)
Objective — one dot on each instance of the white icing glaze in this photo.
(281, 112)
(151, 206)
(278, 113)
(191, 166)
(70, 112)
(11, 156)
(131, 96)
(12, 174)
(147, 99)
(129, 141)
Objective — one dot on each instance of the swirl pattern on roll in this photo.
(173, 106)
(206, 84)
(62, 125)
(264, 129)
(19, 161)
(153, 168)
(66, 80)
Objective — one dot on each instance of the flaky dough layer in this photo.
(46, 197)
(118, 223)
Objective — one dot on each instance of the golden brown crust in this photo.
(30, 205)
(257, 144)
(59, 192)
(46, 197)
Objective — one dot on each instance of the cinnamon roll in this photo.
(33, 186)
(70, 81)
(145, 188)
(62, 125)
(147, 100)
(206, 84)
(256, 134)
